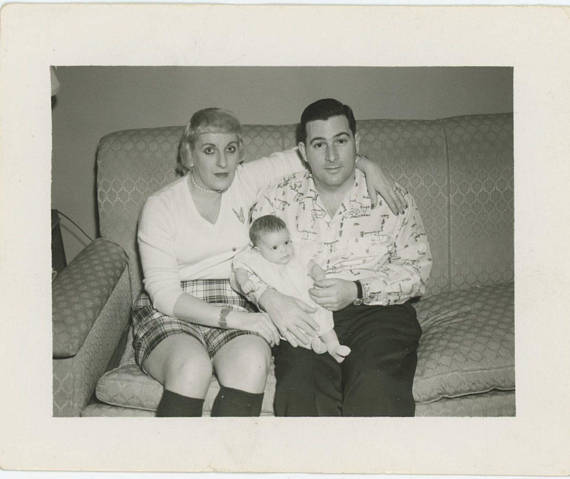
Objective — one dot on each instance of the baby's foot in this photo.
(340, 353)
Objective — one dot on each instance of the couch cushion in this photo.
(467, 345)
(127, 386)
(80, 291)
(491, 404)
(98, 409)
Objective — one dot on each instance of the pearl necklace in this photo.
(201, 188)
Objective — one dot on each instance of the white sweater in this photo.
(176, 244)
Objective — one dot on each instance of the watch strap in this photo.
(359, 293)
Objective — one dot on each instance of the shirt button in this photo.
(234, 249)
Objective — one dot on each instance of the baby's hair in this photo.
(265, 224)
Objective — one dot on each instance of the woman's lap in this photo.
(151, 328)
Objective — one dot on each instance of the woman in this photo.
(189, 232)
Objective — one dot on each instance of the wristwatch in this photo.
(359, 293)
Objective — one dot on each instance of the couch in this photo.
(460, 170)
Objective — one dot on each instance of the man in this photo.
(375, 262)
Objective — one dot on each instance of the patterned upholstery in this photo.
(74, 378)
(262, 140)
(131, 165)
(460, 170)
(80, 291)
(467, 345)
(98, 409)
(491, 404)
(480, 151)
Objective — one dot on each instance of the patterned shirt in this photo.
(388, 253)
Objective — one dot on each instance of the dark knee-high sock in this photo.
(235, 402)
(175, 405)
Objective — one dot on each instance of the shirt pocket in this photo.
(370, 249)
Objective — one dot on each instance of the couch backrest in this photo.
(481, 213)
(460, 170)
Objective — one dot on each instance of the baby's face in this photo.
(276, 246)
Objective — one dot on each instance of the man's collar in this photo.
(359, 179)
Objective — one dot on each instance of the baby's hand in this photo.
(248, 287)
(241, 277)
(316, 272)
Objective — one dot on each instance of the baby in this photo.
(273, 259)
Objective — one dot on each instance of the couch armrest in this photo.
(80, 292)
(91, 308)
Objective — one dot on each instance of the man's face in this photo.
(276, 246)
(330, 149)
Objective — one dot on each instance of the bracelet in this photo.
(222, 322)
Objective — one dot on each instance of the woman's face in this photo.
(215, 157)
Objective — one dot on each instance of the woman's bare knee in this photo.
(244, 364)
(182, 365)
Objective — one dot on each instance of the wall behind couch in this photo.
(93, 101)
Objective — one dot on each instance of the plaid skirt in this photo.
(150, 326)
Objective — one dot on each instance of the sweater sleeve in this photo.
(254, 176)
(156, 240)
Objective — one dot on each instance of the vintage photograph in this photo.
(282, 241)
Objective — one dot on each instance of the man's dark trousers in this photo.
(374, 380)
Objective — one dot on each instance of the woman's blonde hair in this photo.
(208, 120)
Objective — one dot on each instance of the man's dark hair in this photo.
(265, 224)
(323, 110)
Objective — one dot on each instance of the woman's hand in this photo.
(256, 322)
(378, 183)
(291, 316)
(334, 294)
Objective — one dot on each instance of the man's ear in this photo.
(302, 151)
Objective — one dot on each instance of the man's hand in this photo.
(333, 294)
(291, 316)
(378, 183)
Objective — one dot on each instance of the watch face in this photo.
(357, 302)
